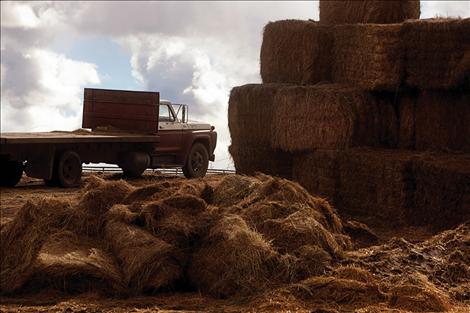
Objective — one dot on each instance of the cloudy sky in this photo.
(192, 52)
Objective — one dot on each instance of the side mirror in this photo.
(185, 113)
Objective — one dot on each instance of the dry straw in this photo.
(295, 51)
(437, 54)
(330, 117)
(368, 11)
(368, 56)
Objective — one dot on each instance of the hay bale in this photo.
(250, 111)
(376, 182)
(295, 51)
(368, 56)
(368, 11)
(233, 260)
(318, 172)
(442, 195)
(407, 115)
(299, 229)
(249, 160)
(442, 121)
(147, 263)
(335, 117)
(435, 53)
(76, 264)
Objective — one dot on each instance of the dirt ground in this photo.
(394, 257)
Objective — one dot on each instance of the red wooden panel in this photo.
(126, 110)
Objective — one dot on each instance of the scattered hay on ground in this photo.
(368, 11)
(295, 51)
(368, 56)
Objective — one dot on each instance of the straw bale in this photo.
(257, 158)
(436, 53)
(368, 56)
(376, 182)
(335, 117)
(299, 229)
(147, 263)
(233, 260)
(76, 264)
(295, 51)
(318, 172)
(442, 121)
(368, 11)
(442, 194)
(336, 290)
(407, 115)
(250, 111)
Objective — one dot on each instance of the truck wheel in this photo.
(197, 162)
(134, 164)
(11, 173)
(69, 169)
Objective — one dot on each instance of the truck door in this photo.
(170, 132)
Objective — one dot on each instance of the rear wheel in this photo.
(10, 173)
(67, 171)
(197, 162)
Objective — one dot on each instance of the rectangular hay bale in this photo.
(295, 51)
(331, 117)
(436, 53)
(376, 182)
(368, 56)
(442, 195)
(258, 158)
(250, 113)
(318, 172)
(436, 120)
(368, 11)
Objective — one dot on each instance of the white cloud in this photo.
(54, 102)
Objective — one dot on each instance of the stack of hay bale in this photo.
(370, 107)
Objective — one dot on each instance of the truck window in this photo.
(165, 114)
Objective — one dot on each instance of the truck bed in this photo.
(81, 136)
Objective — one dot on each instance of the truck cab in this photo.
(182, 141)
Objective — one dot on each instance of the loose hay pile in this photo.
(221, 237)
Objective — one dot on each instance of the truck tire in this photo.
(134, 164)
(10, 173)
(68, 172)
(197, 161)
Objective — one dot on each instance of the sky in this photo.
(192, 52)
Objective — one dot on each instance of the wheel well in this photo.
(205, 142)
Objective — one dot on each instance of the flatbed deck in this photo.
(76, 137)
